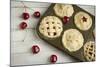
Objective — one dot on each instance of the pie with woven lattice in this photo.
(83, 21)
(51, 26)
(89, 51)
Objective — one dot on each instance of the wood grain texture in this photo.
(23, 40)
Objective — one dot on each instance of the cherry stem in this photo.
(24, 5)
(25, 36)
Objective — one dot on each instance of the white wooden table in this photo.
(21, 50)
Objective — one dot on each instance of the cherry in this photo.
(53, 58)
(23, 25)
(25, 16)
(35, 49)
(65, 19)
(37, 14)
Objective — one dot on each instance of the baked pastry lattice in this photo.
(51, 26)
(89, 51)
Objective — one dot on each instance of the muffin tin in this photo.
(57, 42)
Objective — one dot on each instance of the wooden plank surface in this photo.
(23, 40)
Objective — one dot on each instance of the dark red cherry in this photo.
(37, 14)
(65, 19)
(23, 25)
(35, 49)
(25, 16)
(53, 58)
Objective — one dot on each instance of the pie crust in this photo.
(72, 40)
(83, 21)
(51, 27)
(89, 51)
(62, 10)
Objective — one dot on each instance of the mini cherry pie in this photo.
(89, 51)
(51, 27)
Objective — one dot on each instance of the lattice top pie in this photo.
(51, 27)
(89, 51)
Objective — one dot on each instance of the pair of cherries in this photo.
(26, 16)
(36, 49)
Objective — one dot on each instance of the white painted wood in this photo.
(40, 58)
(29, 4)
(23, 40)
(90, 9)
(16, 17)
